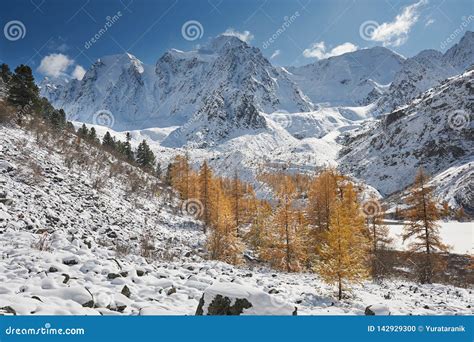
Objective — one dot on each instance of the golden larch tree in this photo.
(284, 245)
(422, 227)
(379, 236)
(343, 255)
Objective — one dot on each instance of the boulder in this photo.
(236, 299)
(70, 260)
(377, 310)
(126, 291)
(6, 166)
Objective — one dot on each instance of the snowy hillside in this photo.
(426, 70)
(348, 79)
(74, 239)
(434, 131)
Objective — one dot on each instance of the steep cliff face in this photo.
(426, 70)
(435, 131)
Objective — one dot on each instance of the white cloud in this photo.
(318, 50)
(275, 53)
(395, 33)
(78, 72)
(429, 22)
(55, 64)
(245, 36)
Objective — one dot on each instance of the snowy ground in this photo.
(458, 235)
(92, 263)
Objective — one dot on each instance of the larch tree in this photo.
(259, 224)
(284, 246)
(223, 242)
(205, 192)
(343, 255)
(236, 196)
(180, 172)
(446, 210)
(422, 227)
(322, 193)
(378, 234)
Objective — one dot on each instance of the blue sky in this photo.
(54, 36)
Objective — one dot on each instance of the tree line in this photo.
(22, 93)
(314, 224)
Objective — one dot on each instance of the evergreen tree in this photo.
(145, 156)
(92, 136)
(108, 142)
(58, 119)
(83, 132)
(344, 252)
(5, 73)
(23, 90)
(422, 226)
(126, 148)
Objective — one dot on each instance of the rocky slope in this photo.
(435, 131)
(69, 246)
(426, 70)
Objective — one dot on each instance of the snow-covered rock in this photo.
(377, 310)
(236, 299)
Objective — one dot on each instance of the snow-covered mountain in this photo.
(426, 70)
(222, 78)
(348, 79)
(226, 103)
(435, 131)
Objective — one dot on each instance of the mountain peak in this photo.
(224, 42)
